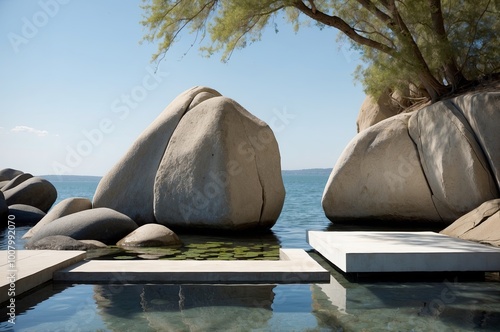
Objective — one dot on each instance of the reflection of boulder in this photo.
(185, 307)
(405, 306)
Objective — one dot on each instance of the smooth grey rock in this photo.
(97, 244)
(378, 177)
(454, 165)
(63, 208)
(373, 111)
(150, 235)
(35, 191)
(8, 174)
(4, 209)
(481, 224)
(482, 111)
(59, 242)
(128, 186)
(221, 170)
(25, 214)
(16, 181)
(101, 224)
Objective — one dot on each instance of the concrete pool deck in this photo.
(294, 266)
(403, 252)
(34, 267)
(31, 268)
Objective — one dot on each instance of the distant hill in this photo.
(310, 171)
(71, 178)
(89, 178)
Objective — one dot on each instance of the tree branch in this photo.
(338, 23)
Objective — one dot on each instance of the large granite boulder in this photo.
(63, 208)
(379, 177)
(435, 166)
(25, 214)
(8, 174)
(60, 242)
(481, 224)
(101, 224)
(128, 186)
(150, 235)
(16, 181)
(204, 163)
(221, 170)
(482, 111)
(34, 191)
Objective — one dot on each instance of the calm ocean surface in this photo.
(341, 305)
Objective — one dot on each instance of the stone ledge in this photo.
(33, 268)
(403, 252)
(294, 266)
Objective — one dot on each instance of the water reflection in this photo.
(408, 306)
(185, 307)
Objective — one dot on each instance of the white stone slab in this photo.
(31, 268)
(403, 252)
(294, 266)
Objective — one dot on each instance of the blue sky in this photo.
(77, 87)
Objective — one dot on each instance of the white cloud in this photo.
(26, 129)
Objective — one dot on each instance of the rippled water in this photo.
(444, 304)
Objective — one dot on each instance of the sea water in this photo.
(341, 305)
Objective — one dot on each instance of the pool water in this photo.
(344, 304)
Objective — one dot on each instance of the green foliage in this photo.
(431, 44)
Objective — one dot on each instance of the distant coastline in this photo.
(91, 178)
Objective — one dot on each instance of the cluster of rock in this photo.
(205, 162)
(24, 197)
(74, 225)
(434, 164)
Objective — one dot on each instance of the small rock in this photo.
(150, 235)
(63, 208)
(102, 224)
(16, 181)
(35, 191)
(479, 225)
(8, 174)
(59, 242)
(4, 209)
(25, 214)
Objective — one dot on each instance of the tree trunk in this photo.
(432, 86)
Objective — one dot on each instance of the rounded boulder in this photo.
(101, 224)
(25, 214)
(35, 191)
(221, 170)
(150, 235)
(63, 208)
